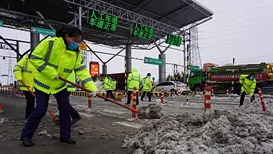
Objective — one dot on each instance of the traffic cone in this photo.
(1, 108)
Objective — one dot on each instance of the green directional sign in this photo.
(154, 61)
(194, 68)
(43, 31)
(1, 23)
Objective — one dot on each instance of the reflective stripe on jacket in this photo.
(133, 80)
(24, 71)
(248, 86)
(52, 58)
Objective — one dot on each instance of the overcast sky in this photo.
(239, 29)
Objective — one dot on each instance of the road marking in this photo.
(113, 111)
(130, 124)
(85, 115)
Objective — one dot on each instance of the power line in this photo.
(236, 26)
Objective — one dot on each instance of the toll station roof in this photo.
(162, 16)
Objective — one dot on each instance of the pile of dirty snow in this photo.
(215, 132)
(152, 111)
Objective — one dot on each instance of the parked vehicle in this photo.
(221, 78)
(172, 86)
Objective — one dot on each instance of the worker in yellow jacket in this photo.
(248, 86)
(54, 57)
(24, 72)
(147, 87)
(133, 80)
(107, 85)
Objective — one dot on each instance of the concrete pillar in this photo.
(128, 60)
(162, 69)
(104, 69)
(34, 40)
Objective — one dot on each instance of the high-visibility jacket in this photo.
(24, 71)
(107, 83)
(147, 84)
(248, 86)
(133, 80)
(71, 78)
(51, 58)
(114, 84)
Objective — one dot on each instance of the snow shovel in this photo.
(54, 118)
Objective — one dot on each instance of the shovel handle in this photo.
(108, 99)
(28, 89)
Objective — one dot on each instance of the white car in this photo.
(174, 87)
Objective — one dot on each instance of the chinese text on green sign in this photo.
(103, 21)
(174, 40)
(143, 32)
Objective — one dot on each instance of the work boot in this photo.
(68, 141)
(27, 142)
(75, 120)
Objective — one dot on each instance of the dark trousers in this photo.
(73, 113)
(109, 93)
(40, 110)
(129, 93)
(30, 103)
(243, 98)
(149, 94)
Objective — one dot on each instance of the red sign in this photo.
(259, 76)
(94, 69)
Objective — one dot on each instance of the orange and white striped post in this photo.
(207, 97)
(262, 99)
(162, 96)
(134, 116)
(89, 101)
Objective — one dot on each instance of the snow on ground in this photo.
(221, 130)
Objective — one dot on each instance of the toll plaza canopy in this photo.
(108, 22)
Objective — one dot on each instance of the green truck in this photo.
(221, 78)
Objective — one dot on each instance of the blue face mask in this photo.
(251, 78)
(73, 46)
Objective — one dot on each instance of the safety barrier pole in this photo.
(227, 92)
(162, 96)
(89, 101)
(134, 94)
(262, 99)
(207, 98)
